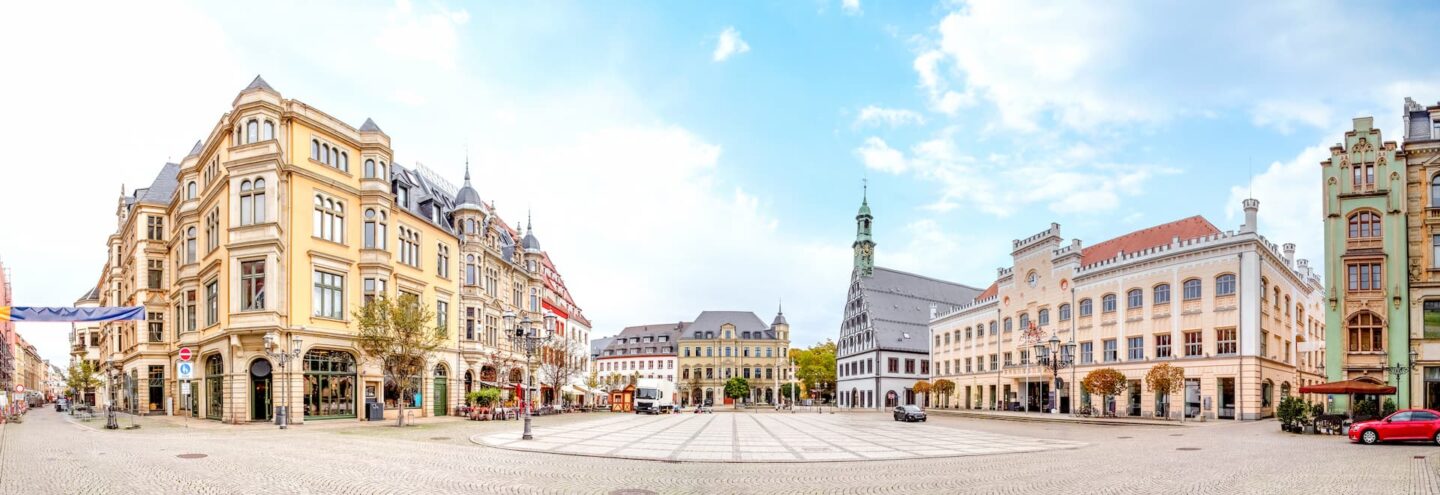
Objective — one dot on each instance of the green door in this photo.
(442, 398)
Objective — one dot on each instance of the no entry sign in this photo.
(184, 353)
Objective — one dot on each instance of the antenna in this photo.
(1250, 169)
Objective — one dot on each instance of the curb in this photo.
(1029, 419)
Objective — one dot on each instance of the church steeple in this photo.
(864, 246)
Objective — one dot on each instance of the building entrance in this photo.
(260, 390)
(1226, 390)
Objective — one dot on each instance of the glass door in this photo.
(1192, 397)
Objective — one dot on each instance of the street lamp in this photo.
(114, 374)
(1055, 355)
(525, 335)
(1400, 370)
(282, 358)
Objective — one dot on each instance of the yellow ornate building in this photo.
(1240, 315)
(720, 345)
(282, 222)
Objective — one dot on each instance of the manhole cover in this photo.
(1123, 438)
(1419, 457)
(439, 438)
(815, 449)
(632, 491)
(192, 456)
(1188, 448)
(1177, 434)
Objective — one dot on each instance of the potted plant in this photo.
(1316, 411)
(483, 399)
(1290, 412)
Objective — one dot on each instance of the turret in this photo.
(864, 245)
(1252, 208)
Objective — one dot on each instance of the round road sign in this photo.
(19, 388)
(184, 353)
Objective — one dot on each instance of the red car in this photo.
(1409, 424)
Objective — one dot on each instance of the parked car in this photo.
(1408, 424)
(909, 413)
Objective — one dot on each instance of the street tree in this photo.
(560, 364)
(1105, 382)
(944, 388)
(737, 388)
(592, 383)
(1165, 379)
(398, 334)
(816, 366)
(922, 387)
(82, 377)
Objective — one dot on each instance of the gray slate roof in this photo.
(93, 295)
(598, 345)
(744, 321)
(369, 126)
(162, 188)
(626, 340)
(195, 150)
(259, 83)
(425, 196)
(898, 303)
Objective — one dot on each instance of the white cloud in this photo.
(729, 44)
(1086, 67)
(1290, 209)
(429, 36)
(876, 155)
(893, 117)
(850, 7)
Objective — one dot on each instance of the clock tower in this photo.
(864, 246)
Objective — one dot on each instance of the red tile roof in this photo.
(1159, 235)
(990, 291)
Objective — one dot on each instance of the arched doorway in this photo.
(260, 396)
(442, 389)
(891, 398)
(329, 384)
(469, 382)
(854, 397)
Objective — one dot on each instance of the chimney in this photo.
(1289, 254)
(1252, 207)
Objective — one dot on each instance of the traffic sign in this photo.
(19, 388)
(184, 388)
(184, 353)
(185, 371)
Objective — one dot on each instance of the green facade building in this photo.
(1367, 316)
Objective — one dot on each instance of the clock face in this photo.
(1033, 279)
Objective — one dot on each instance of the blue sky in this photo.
(684, 156)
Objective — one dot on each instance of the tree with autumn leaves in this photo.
(1165, 380)
(922, 388)
(943, 388)
(1105, 382)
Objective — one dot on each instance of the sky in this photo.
(688, 156)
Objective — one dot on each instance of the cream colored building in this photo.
(1421, 154)
(1236, 312)
(282, 222)
(720, 345)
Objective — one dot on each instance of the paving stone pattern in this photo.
(50, 454)
(766, 438)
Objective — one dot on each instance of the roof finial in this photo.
(527, 220)
(782, 306)
(864, 190)
(467, 164)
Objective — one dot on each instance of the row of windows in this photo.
(647, 364)
(892, 365)
(726, 373)
(332, 156)
(254, 131)
(729, 352)
(1226, 343)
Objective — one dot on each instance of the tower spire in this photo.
(467, 165)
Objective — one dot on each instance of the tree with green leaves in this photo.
(785, 392)
(592, 383)
(399, 334)
(737, 388)
(816, 366)
(82, 377)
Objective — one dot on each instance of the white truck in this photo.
(654, 396)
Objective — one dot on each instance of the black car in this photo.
(909, 413)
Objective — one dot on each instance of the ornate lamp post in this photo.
(282, 358)
(1056, 356)
(1400, 370)
(525, 335)
(114, 375)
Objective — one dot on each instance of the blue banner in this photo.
(32, 313)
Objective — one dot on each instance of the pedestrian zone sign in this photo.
(185, 370)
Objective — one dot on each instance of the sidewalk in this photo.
(1065, 418)
(171, 422)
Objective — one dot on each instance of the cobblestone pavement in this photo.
(50, 454)
(765, 438)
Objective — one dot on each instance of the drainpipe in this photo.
(1240, 338)
(1074, 350)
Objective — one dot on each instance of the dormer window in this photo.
(402, 196)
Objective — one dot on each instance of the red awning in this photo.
(1348, 387)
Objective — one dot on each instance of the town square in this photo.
(629, 247)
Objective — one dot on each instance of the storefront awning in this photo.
(1348, 387)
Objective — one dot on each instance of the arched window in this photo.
(1366, 332)
(1192, 289)
(252, 202)
(1364, 224)
(1009, 325)
(268, 131)
(325, 155)
(370, 169)
(1267, 393)
(345, 161)
(1064, 312)
(190, 244)
(1043, 317)
(1024, 321)
(1135, 298)
(315, 150)
(1161, 294)
(252, 131)
(1435, 191)
(1086, 307)
(1107, 303)
(380, 170)
(1225, 285)
(214, 387)
(190, 190)
(1284, 390)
